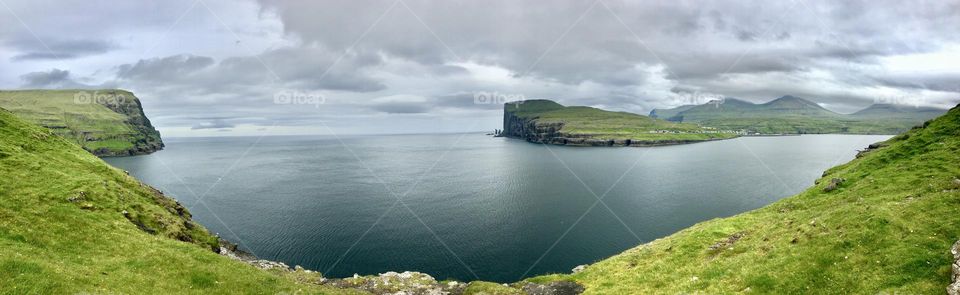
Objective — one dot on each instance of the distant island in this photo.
(545, 121)
(795, 115)
(105, 122)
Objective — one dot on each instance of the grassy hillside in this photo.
(70, 223)
(794, 115)
(587, 122)
(105, 122)
(887, 227)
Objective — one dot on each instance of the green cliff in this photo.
(106, 122)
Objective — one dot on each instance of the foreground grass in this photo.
(888, 228)
(63, 229)
(87, 120)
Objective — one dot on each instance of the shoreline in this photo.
(391, 282)
(589, 142)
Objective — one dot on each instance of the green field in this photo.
(105, 122)
(580, 121)
(887, 229)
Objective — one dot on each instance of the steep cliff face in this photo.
(529, 128)
(146, 138)
(106, 122)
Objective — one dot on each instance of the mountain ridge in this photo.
(795, 115)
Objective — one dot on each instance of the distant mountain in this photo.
(795, 115)
(898, 111)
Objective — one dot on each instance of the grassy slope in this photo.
(597, 123)
(49, 245)
(94, 126)
(888, 228)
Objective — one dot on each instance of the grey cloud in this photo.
(514, 34)
(947, 82)
(54, 78)
(430, 59)
(402, 104)
(32, 49)
(167, 68)
(215, 124)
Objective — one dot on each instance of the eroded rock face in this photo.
(954, 287)
(232, 251)
(394, 283)
(552, 288)
(834, 184)
(407, 283)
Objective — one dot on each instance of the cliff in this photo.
(106, 122)
(545, 121)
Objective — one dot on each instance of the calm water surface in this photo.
(471, 206)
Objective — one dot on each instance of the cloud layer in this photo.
(391, 65)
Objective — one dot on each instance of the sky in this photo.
(241, 68)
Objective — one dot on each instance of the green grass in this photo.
(106, 122)
(887, 229)
(579, 121)
(63, 230)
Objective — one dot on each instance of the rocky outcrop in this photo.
(954, 287)
(530, 129)
(394, 283)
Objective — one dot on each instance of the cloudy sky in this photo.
(211, 67)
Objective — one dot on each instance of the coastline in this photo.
(589, 142)
(407, 282)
